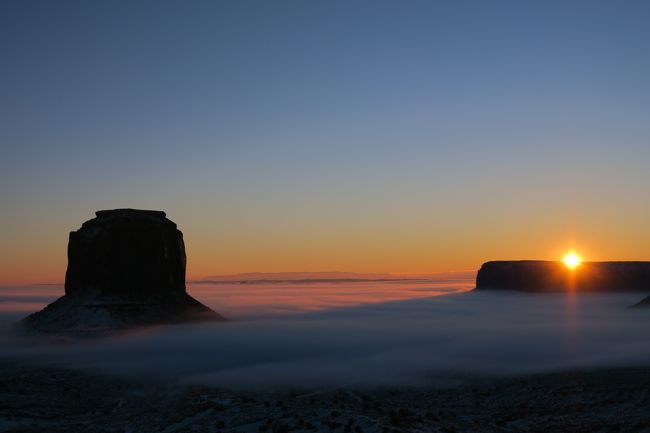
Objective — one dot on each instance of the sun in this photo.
(572, 260)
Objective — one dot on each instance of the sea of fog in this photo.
(356, 334)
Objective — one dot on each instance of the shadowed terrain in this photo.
(54, 400)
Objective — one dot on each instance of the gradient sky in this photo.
(373, 136)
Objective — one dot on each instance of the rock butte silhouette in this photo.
(126, 268)
(549, 276)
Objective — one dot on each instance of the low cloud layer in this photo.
(416, 341)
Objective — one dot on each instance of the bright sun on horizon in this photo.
(572, 260)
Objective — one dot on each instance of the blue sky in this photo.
(314, 120)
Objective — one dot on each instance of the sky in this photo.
(375, 136)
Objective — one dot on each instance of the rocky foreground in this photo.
(36, 399)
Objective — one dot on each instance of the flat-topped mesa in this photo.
(550, 276)
(126, 251)
(126, 268)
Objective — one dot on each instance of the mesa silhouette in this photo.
(126, 268)
(549, 276)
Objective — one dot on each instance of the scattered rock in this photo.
(645, 303)
(594, 401)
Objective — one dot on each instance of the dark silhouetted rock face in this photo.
(126, 251)
(126, 267)
(546, 276)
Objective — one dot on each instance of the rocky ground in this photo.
(35, 399)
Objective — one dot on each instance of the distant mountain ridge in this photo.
(316, 277)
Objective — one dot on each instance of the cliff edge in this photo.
(550, 276)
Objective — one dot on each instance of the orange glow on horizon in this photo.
(572, 260)
(36, 253)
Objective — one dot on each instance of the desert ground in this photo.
(34, 399)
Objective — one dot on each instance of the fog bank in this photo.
(422, 340)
